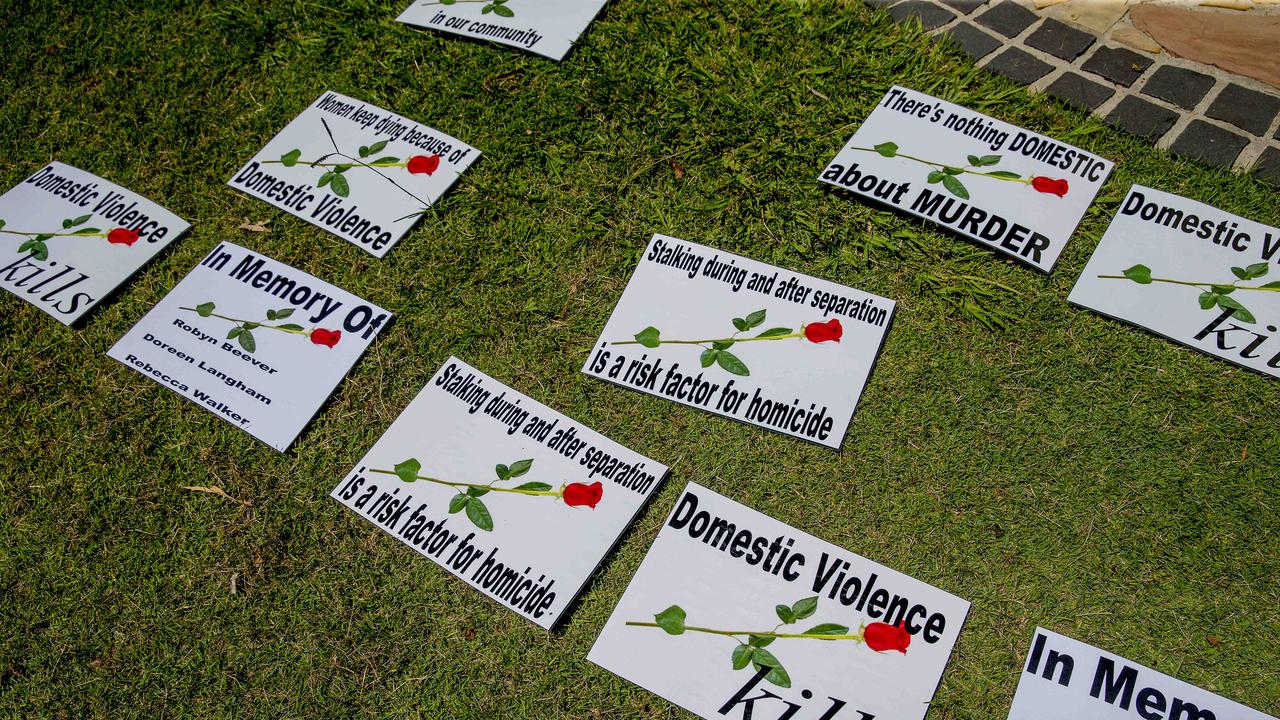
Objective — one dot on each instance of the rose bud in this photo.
(122, 236)
(328, 338)
(1050, 186)
(822, 332)
(881, 636)
(423, 164)
(579, 494)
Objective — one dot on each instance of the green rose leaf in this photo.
(1140, 274)
(742, 656)
(477, 491)
(785, 614)
(648, 337)
(740, 324)
(761, 640)
(520, 467)
(42, 237)
(290, 326)
(487, 9)
(1223, 289)
(75, 221)
(39, 250)
(887, 149)
(290, 158)
(1257, 270)
(448, 2)
(539, 486)
(205, 309)
(342, 168)
(671, 620)
(458, 502)
(479, 514)
(408, 470)
(1, 223)
(388, 160)
(804, 608)
(284, 313)
(974, 160)
(377, 147)
(324, 179)
(827, 629)
(339, 186)
(251, 325)
(989, 160)
(503, 10)
(26, 245)
(235, 332)
(1275, 284)
(755, 319)
(731, 363)
(762, 658)
(271, 314)
(955, 187)
(775, 332)
(1005, 174)
(88, 231)
(722, 344)
(502, 471)
(1241, 313)
(1208, 300)
(364, 151)
(948, 170)
(936, 177)
(708, 357)
(246, 341)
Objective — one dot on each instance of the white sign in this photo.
(546, 27)
(253, 341)
(739, 338)
(1012, 189)
(1197, 275)
(516, 499)
(360, 172)
(69, 238)
(1065, 679)
(734, 614)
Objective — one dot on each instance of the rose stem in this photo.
(1024, 181)
(70, 234)
(238, 321)
(732, 633)
(1196, 284)
(320, 164)
(556, 493)
(715, 340)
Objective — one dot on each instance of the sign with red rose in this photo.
(734, 614)
(514, 498)
(356, 170)
(68, 239)
(254, 341)
(740, 338)
(1065, 679)
(546, 27)
(1008, 188)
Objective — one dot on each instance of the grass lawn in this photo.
(1052, 466)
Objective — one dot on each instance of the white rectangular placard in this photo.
(1064, 679)
(546, 27)
(734, 614)
(258, 343)
(514, 498)
(1011, 189)
(743, 339)
(355, 170)
(70, 238)
(1193, 273)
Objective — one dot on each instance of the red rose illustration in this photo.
(578, 494)
(329, 338)
(822, 332)
(122, 236)
(1049, 186)
(423, 164)
(881, 636)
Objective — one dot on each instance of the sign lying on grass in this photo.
(360, 172)
(742, 339)
(1191, 272)
(546, 27)
(69, 238)
(733, 614)
(1065, 679)
(516, 499)
(253, 341)
(1012, 189)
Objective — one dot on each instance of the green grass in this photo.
(1052, 466)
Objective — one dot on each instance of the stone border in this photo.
(1192, 110)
